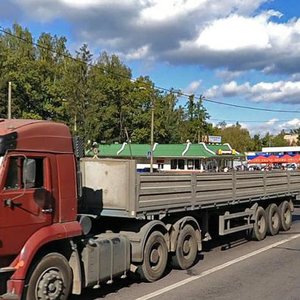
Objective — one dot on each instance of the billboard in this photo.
(215, 139)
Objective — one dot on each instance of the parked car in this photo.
(291, 167)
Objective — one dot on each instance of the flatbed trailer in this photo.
(69, 222)
(126, 193)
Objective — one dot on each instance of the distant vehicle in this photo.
(254, 168)
(146, 170)
(240, 168)
(291, 167)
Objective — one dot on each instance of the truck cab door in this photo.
(26, 202)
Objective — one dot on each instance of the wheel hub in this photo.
(186, 247)
(154, 257)
(287, 216)
(275, 220)
(50, 285)
(261, 224)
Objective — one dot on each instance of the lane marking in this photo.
(215, 269)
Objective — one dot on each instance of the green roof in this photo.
(198, 150)
(109, 149)
(169, 150)
(135, 150)
(163, 150)
(216, 147)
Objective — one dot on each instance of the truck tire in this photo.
(155, 257)
(273, 219)
(186, 249)
(259, 230)
(50, 279)
(285, 216)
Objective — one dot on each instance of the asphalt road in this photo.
(233, 268)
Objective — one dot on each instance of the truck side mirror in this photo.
(29, 173)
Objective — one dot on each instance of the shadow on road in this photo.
(106, 289)
(225, 242)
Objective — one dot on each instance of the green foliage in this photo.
(194, 125)
(97, 98)
(239, 138)
(278, 140)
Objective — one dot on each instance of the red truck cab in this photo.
(38, 195)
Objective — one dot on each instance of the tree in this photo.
(274, 141)
(279, 141)
(239, 138)
(257, 143)
(194, 125)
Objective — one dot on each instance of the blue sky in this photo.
(245, 52)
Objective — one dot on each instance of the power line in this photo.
(251, 107)
(247, 121)
(155, 86)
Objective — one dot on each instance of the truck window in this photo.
(36, 178)
(14, 179)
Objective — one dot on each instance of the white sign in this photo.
(214, 139)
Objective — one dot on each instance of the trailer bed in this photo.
(112, 187)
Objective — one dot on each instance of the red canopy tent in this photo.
(272, 159)
(259, 160)
(287, 159)
(296, 158)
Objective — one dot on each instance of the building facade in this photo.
(173, 157)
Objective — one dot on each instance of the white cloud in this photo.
(193, 87)
(263, 128)
(162, 11)
(292, 124)
(84, 3)
(272, 122)
(243, 43)
(227, 75)
(139, 53)
(270, 92)
(230, 34)
(235, 33)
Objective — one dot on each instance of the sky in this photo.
(241, 52)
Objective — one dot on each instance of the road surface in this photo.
(232, 269)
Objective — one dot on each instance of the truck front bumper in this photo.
(9, 296)
(10, 289)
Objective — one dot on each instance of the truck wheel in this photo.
(155, 257)
(50, 279)
(285, 216)
(273, 219)
(259, 230)
(186, 249)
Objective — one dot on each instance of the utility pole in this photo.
(152, 135)
(152, 99)
(75, 122)
(9, 101)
